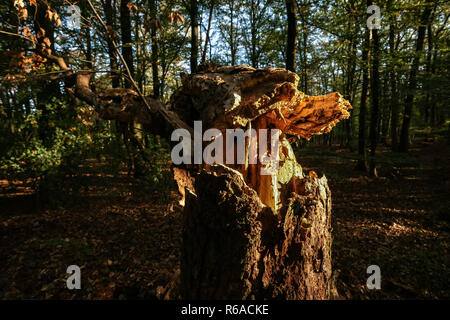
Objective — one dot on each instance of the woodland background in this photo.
(74, 186)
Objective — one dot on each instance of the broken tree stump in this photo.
(247, 235)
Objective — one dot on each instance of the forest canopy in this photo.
(96, 77)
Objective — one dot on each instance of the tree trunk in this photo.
(49, 89)
(375, 96)
(348, 89)
(404, 137)
(253, 32)
(233, 40)
(193, 12)
(234, 247)
(110, 21)
(208, 30)
(248, 235)
(155, 49)
(385, 111)
(303, 44)
(361, 165)
(127, 50)
(394, 90)
(291, 49)
(86, 34)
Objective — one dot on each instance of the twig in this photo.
(16, 35)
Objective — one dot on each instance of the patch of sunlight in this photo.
(401, 230)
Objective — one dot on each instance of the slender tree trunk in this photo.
(139, 52)
(394, 89)
(386, 112)
(208, 30)
(253, 32)
(363, 105)
(304, 47)
(155, 53)
(348, 92)
(127, 42)
(375, 102)
(433, 101)
(412, 82)
(110, 21)
(86, 34)
(232, 38)
(428, 73)
(193, 12)
(50, 89)
(291, 48)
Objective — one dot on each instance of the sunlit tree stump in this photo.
(247, 235)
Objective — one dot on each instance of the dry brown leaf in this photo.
(47, 42)
(26, 32)
(41, 33)
(23, 14)
(312, 174)
(19, 3)
(180, 18)
(131, 6)
(174, 17)
(55, 16)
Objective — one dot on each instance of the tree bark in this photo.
(235, 247)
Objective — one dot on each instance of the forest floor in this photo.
(128, 243)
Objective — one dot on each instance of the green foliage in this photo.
(56, 170)
(153, 170)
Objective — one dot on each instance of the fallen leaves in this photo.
(130, 248)
(122, 255)
(384, 221)
(175, 17)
